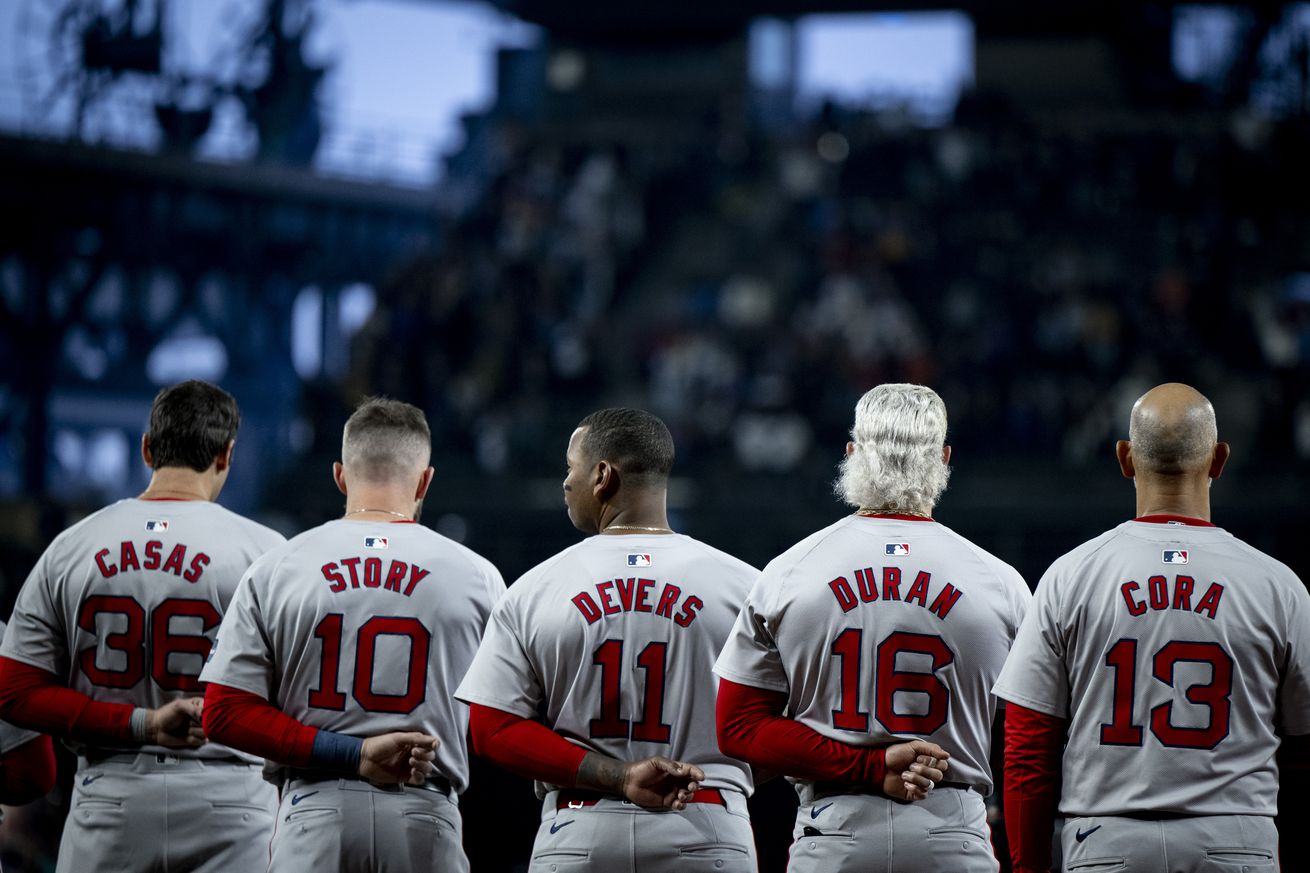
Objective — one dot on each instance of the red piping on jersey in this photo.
(27, 773)
(1033, 747)
(35, 699)
(892, 515)
(1177, 519)
(524, 746)
(405, 521)
(752, 728)
(250, 723)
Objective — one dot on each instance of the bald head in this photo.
(1173, 431)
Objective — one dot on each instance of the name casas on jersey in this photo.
(125, 557)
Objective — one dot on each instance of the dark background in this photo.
(635, 221)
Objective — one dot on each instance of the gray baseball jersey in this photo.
(1179, 654)
(883, 629)
(610, 643)
(12, 737)
(362, 628)
(125, 604)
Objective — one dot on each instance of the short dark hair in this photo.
(636, 441)
(191, 424)
(385, 438)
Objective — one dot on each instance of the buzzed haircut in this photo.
(1176, 444)
(385, 439)
(634, 440)
(191, 424)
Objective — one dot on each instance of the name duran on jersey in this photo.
(1161, 594)
(866, 590)
(153, 550)
(634, 595)
(400, 577)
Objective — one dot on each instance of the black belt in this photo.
(828, 789)
(436, 782)
(1147, 815)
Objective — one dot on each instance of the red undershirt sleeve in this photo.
(752, 728)
(250, 723)
(34, 699)
(524, 746)
(27, 773)
(1033, 747)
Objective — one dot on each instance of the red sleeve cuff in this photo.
(751, 728)
(34, 699)
(248, 722)
(524, 746)
(1033, 747)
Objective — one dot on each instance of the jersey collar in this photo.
(1174, 519)
(895, 516)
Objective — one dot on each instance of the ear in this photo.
(424, 483)
(224, 459)
(339, 476)
(1123, 450)
(1218, 459)
(146, 454)
(850, 449)
(946, 456)
(606, 480)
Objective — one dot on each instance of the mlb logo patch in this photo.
(638, 560)
(376, 543)
(898, 549)
(155, 524)
(1174, 556)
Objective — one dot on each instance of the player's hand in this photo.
(913, 768)
(660, 783)
(398, 758)
(176, 724)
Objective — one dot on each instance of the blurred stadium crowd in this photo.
(749, 287)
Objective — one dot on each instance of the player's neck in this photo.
(1187, 497)
(644, 513)
(180, 483)
(378, 504)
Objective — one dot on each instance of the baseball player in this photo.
(339, 657)
(881, 628)
(1175, 655)
(27, 762)
(594, 676)
(106, 643)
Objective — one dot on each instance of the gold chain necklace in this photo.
(387, 511)
(637, 527)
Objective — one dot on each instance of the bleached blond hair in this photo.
(899, 433)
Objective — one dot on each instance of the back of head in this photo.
(896, 464)
(191, 423)
(385, 440)
(1173, 431)
(635, 441)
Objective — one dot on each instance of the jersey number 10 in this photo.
(329, 631)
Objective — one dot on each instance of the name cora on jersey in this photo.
(634, 595)
(153, 550)
(1159, 596)
(400, 577)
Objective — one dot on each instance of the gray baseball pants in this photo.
(865, 833)
(146, 812)
(1178, 844)
(614, 836)
(333, 825)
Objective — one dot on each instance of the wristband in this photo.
(137, 724)
(337, 752)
